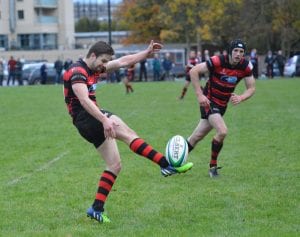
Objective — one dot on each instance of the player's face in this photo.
(192, 54)
(237, 54)
(98, 64)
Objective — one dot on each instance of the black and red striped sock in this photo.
(127, 89)
(216, 147)
(106, 182)
(139, 146)
(184, 90)
(130, 88)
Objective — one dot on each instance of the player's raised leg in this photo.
(139, 146)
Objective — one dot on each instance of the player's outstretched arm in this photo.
(131, 59)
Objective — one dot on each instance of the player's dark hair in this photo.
(100, 48)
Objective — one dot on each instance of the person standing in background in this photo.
(1, 72)
(19, 72)
(167, 65)
(280, 61)
(11, 64)
(269, 61)
(254, 61)
(156, 67)
(143, 70)
(58, 65)
(43, 73)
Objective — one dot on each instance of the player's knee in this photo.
(115, 167)
(222, 133)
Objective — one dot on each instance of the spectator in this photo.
(167, 67)
(143, 70)
(280, 61)
(43, 71)
(11, 70)
(67, 63)
(1, 72)
(18, 72)
(206, 55)
(254, 61)
(200, 57)
(156, 68)
(269, 60)
(58, 65)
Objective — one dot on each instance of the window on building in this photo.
(49, 41)
(24, 41)
(20, 14)
(3, 41)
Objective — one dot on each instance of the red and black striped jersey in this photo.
(130, 72)
(191, 63)
(224, 77)
(79, 73)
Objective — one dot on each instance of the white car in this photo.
(290, 66)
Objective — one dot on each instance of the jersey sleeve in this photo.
(78, 76)
(213, 62)
(248, 70)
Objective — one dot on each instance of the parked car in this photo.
(297, 74)
(291, 65)
(33, 76)
(28, 68)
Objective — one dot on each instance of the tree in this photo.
(181, 21)
(263, 24)
(86, 25)
(286, 23)
(142, 18)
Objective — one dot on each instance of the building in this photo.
(93, 10)
(86, 39)
(36, 24)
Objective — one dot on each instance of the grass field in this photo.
(49, 174)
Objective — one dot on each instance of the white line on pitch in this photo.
(41, 168)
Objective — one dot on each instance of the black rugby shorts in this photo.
(90, 128)
(213, 109)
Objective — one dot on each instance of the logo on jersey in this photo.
(231, 80)
(93, 88)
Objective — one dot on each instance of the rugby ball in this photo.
(177, 151)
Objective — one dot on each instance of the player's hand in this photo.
(154, 48)
(109, 128)
(204, 101)
(236, 99)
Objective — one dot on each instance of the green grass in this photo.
(49, 174)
